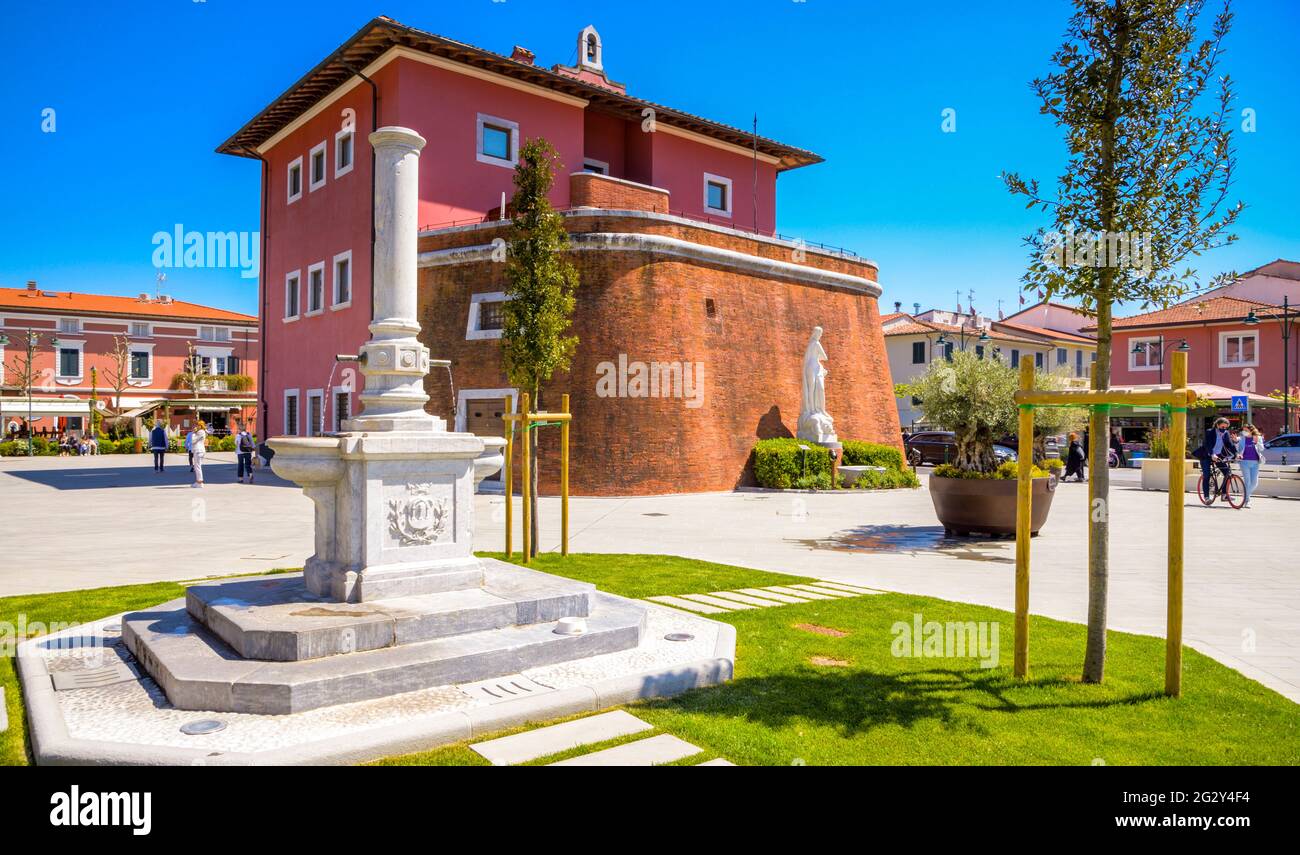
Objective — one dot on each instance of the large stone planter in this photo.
(987, 506)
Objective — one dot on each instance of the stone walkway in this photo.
(557, 738)
(762, 598)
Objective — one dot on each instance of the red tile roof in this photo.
(381, 34)
(1057, 335)
(1194, 312)
(909, 325)
(71, 303)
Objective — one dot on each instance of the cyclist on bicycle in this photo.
(1217, 449)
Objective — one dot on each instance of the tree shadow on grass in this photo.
(856, 701)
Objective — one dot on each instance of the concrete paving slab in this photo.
(678, 602)
(716, 601)
(522, 747)
(840, 586)
(826, 592)
(775, 597)
(746, 599)
(651, 751)
(717, 762)
(807, 595)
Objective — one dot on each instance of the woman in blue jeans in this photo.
(1252, 454)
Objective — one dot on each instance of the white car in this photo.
(1283, 450)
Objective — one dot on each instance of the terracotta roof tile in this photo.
(69, 302)
(1193, 312)
(1048, 333)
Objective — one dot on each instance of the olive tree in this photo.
(974, 398)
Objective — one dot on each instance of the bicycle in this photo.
(1231, 489)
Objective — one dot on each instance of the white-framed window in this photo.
(485, 315)
(141, 364)
(70, 360)
(72, 325)
(290, 412)
(717, 194)
(292, 294)
(316, 166)
(315, 412)
(293, 180)
(316, 288)
(497, 141)
(214, 334)
(590, 164)
(141, 329)
(1144, 354)
(342, 280)
(1239, 349)
(342, 407)
(344, 151)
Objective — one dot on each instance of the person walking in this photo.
(189, 446)
(1252, 454)
(244, 447)
(1117, 446)
(1075, 459)
(1216, 449)
(158, 445)
(198, 449)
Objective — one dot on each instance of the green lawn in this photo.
(871, 707)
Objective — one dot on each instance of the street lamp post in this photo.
(1252, 319)
(1180, 345)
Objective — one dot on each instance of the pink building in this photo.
(73, 338)
(1233, 337)
(474, 108)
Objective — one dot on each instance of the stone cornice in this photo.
(662, 245)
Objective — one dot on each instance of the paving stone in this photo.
(769, 595)
(857, 589)
(522, 747)
(827, 591)
(839, 592)
(717, 601)
(743, 598)
(807, 595)
(678, 602)
(721, 761)
(664, 748)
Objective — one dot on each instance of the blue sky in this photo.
(143, 97)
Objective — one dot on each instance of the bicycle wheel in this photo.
(1236, 496)
(1213, 487)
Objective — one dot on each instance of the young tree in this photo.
(192, 376)
(1144, 190)
(540, 285)
(118, 374)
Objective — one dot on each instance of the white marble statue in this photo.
(815, 424)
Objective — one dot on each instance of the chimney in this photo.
(898, 305)
(31, 284)
(523, 54)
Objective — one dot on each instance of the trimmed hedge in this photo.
(890, 479)
(858, 453)
(782, 464)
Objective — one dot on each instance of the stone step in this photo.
(651, 751)
(775, 597)
(522, 747)
(688, 605)
(198, 671)
(278, 619)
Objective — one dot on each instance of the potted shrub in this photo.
(974, 398)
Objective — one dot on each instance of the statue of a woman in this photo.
(814, 422)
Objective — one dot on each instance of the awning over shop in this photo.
(43, 407)
(136, 412)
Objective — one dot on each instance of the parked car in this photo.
(1053, 445)
(939, 446)
(1283, 449)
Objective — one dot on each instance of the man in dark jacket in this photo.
(158, 445)
(1216, 450)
